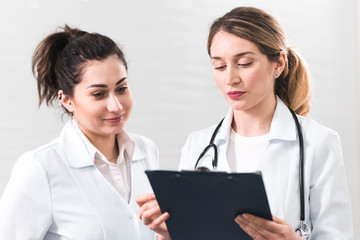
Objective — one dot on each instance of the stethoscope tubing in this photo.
(301, 166)
(213, 146)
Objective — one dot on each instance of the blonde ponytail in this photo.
(293, 86)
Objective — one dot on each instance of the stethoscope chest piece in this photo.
(304, 231)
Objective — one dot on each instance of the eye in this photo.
(122, 89)
(219, 68)
(98, 95)
(244, 64)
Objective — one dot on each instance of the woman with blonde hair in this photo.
(266, 83)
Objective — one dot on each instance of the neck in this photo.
(107, 146)
(255, 121)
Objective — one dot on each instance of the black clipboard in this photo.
(203, 205)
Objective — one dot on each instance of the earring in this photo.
(71, 114)
(276, 74)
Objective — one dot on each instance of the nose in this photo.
(232, 75)
(113, 104)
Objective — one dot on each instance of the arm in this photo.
(329, 203)
(151, 215)
(25, 206)
(330, 207)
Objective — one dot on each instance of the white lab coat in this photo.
(56, 192)
(328, 209)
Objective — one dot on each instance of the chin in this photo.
(238, 106)
(117, 130)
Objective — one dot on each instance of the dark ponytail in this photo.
(60, 58)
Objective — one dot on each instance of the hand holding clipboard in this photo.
(203, 205)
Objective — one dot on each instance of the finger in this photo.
(262, 223)
(160, 220)
(147, 206)
(143, 198)
(279, 220)
(259, 228)
(149, 215)
(250, 228)
(150, 204)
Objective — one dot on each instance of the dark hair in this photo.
(257, 26)
(60, 58)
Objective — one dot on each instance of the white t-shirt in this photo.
(245, 153)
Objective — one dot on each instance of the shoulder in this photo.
(142, 141)
(202, 135)
(38, 156)
(322, 145)
(145, 148)
(31, 171)
(317, 132)
(193, 146)
(197, 139)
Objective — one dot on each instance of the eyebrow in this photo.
(237, 55)
(104, 85)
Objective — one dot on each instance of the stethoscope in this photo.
(304, 231)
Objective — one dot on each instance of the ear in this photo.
(65, 101)
(280, 64)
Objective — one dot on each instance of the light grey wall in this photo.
(169, 70)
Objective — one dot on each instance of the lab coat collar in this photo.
(125, 141)
(224, 132)
(138, 153)
(77, 154)
(282, 125)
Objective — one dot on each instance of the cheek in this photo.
(91, 111)
(219, 81)
(127, 102)
(260, 78)
(129, 106)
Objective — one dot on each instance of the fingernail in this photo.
(238, 218)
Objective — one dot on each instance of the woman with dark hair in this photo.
(81, 185)
(266, 83)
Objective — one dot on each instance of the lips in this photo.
(235, 94)
(114, 119)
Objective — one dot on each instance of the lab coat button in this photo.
(131, 217)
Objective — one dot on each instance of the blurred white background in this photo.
(169, 69)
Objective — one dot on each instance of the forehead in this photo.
(109, 69)
(225, 43)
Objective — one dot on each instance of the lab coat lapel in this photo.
(96, 190)
(222, 142)
(75, 151)
(139, 181)
(282, 125)
(281, 153)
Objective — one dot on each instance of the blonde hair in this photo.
(255, 25)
